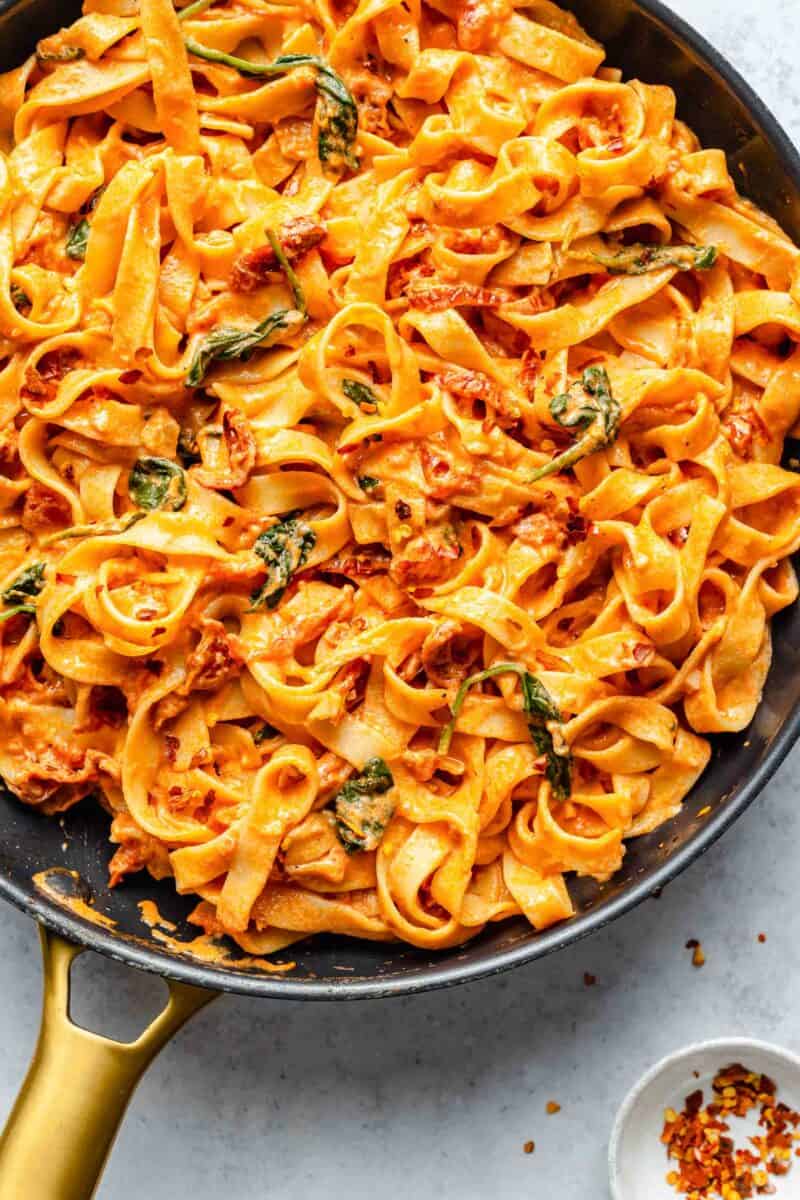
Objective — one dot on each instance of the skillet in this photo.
(76, 911)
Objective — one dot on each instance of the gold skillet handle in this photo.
(61, 1129)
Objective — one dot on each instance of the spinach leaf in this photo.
(228, 342)
(337, 121)
(65, 54)
(194, 10)
(23, 589)
(361, 394)
(363, 808)
(368, 483)
(284, 547)
(99, 529)
(26, 585)
(188, 451)
(539, 707)
(77, 240)
(590, 408)
(19, 298)
(288, 270)
(337, 115)
(639, 258)
(157, 483)
(28, 609)
(265, 733)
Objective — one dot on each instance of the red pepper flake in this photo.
(589, 980)
(762, 937)
(698, 955)
(529, 1147)
(552, 1107)
(708, 1162)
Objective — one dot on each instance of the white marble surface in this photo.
(436, 1095)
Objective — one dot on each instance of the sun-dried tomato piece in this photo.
(297, 236)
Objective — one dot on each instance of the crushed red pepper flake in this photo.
(589, 980)
(529, 1147)
(698, 954)
(708, 1162)
(553, 1107)
(762, 937)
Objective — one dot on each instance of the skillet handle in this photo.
(61, 1129)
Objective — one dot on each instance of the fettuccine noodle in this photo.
(392, 403)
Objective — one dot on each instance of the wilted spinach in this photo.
(195, 9)
(363, 808)
(78, 239)
(157, 483)
(19, 298)
(22, 590)
(589, 407)
(100, 529)
(26, 585)
(78, 232)
(228, 342)
(539, 707)
(188, 450)
(265, 733)
(337, 115)
(63, 55)
(285, 548)
(639, 258)
(361, 394)
(288, 270)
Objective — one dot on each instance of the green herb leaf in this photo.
(337, 115)
(368, 483)
(228, 342)
(589, 407)
(363, 808)
(65, 54)
(26, 585)
(157, 483)
(77, 240)
(337, 122)
(639, 258)
(361, 394)
(288, 270)
(265, 733)
(28, 609)
(188, 451)
(19, 298)
(99, 529)
(285, 548)
(539, 707)
(194, 10)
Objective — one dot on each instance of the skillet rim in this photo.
(453, 971)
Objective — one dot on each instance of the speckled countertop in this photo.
(436, 1095)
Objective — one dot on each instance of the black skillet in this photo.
(653, 44)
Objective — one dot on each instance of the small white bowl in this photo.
(637, 1160)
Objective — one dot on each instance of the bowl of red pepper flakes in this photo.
(715, 1121)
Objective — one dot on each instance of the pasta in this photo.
(392, 404)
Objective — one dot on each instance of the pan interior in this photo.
(655, 46)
